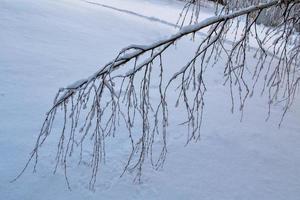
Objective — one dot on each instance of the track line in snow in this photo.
(129, 12)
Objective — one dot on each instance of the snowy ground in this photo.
(48, 44)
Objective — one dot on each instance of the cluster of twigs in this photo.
(94, 107)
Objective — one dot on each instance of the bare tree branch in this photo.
(93, 107)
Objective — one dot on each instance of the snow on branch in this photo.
(119, 92)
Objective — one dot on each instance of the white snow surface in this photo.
(47, 44)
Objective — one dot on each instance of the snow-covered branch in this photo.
(120, 90)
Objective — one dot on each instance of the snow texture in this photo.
(47, 44)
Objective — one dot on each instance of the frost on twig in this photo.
(119, 92)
